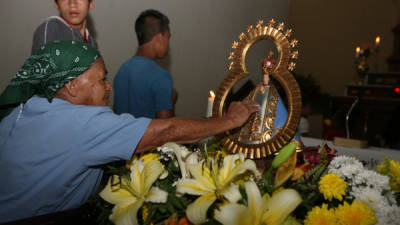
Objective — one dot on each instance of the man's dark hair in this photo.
(149, 23)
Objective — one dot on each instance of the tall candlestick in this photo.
(210, 104)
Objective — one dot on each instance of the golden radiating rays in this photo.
(287, 55)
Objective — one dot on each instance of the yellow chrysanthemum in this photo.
(391, 169)
(394, 168)
(149, 157)
(383, 168)
(320, 216)
(332, 186)
(358, 213)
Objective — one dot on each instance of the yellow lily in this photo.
(260, 210)
(211, 182)
(147, 158)
(129, 195)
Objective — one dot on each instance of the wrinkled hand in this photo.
(239, 112)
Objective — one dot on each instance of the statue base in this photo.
(352, 143)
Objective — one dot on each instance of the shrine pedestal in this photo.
(349, 142)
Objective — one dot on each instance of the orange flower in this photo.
(300, 171)
(184, 221)
(173, 220)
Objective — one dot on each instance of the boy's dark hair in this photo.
(149, 23)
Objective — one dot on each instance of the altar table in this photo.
(365, 154)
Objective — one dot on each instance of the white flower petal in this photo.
(254, 200)
(280, 205)
(233, 214)
(179, 152)
(203, 175)
(193, 187)
(137, 182)
(157, 195)
(241, 168)
(229, 164)
(115, 195)
(126, 214)
(151, 172)
(197, 211)
(232, 193)
(191, 159)
(164, 175)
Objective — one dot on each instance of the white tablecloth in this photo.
(365, 154)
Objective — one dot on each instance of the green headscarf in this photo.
(46, 71)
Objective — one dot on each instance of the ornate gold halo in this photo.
(238, 70)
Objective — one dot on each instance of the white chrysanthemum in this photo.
(368, 195)
(375, 180)
(389, 195)
(376, 201)
(393, 215)
(388, 215)
(343, 160)
(347, 168)
(385, 211)
(348, 171)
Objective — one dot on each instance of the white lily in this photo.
(129, 195)
(148, 157)
(260, 210)
(212, 182)
(183, 156)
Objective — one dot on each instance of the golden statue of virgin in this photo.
(274, 125)
(260, 126)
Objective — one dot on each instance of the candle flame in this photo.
(378, 40)
(212, 94)
(358, 49)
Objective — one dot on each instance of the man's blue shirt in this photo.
(50, 153)
(142, 88)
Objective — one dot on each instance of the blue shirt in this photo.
(142, 88)
(49, 153)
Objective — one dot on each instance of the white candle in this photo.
(210, 104)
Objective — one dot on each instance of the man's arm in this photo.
(183, 130)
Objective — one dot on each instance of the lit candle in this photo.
(210, 104)
(377, 40)
(358, 49)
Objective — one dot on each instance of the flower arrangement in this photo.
(177, 185)
(352, 194)
(174, 185)
(391, 169)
